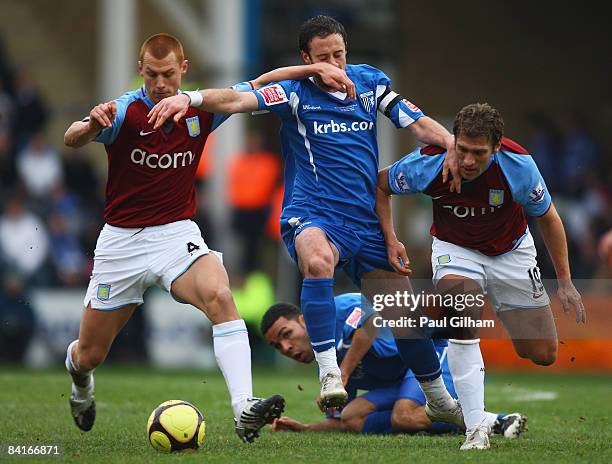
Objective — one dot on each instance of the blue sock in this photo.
(319, 312)
(420, 356)
(443, 427)
(378, 422)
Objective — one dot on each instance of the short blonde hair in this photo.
(161, 45)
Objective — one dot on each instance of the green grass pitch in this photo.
(569, 420)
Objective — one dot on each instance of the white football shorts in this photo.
(511, 280)
(128, 261)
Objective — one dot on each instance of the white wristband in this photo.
(195, 97)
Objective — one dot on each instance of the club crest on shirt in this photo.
(193, 126)
(354, 318)
(104, 292)
(367, 100)
(496, 197)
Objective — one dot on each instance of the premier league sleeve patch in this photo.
(193, 126)
(103, 292)
(273, 94)
(354, 318)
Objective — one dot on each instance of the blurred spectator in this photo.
(252, 178)
(39, 166)
(81, 180)
(23, 239)
(16, 318)
(30, 111)
(544, 144)
(67, 255)
(579, 155)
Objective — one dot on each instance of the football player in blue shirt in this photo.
(394, 402)
(329, 220)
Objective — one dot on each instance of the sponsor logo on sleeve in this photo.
(401, 182)
(273, 94)
(354, 318)
(496, 197)
(537, 194)
(411, 106)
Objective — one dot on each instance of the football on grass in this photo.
(176, 425)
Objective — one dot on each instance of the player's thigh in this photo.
(355, 413)
(205, 285)
(98, 330)
(533, 333)
(317, 255)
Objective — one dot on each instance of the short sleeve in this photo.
(414, 172)
(275, 97)
(108, 135)
(398, 109)
(526, 183)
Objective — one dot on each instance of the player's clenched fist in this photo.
(102, 116)
(336, 78)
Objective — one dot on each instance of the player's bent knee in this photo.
(90, 357)
(317, 267)
(219, 299)
(545, 356)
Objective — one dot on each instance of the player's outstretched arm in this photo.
(553, 232)
(431, 132)
(82, 132)
(224, 101)
(330, 75)
(288, 424)
(396, 252)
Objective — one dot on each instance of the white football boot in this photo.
(477, 439)
(333, 394)
(82, 401)
(511, 425)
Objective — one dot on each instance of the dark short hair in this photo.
(286, 310)
(479, 119)
(319, 26)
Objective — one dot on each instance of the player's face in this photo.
(162, 78)
(474, 154)
(289, 336)
(330, 49)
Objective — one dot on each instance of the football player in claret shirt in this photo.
(149, 238)
(481, 243)
(330, 148)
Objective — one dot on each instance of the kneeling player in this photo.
(481, 243)
(394, 402)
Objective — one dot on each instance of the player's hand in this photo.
(102, 116)
(398, 259)
(335, 78)
(176, 106)
(287, 424)
(451, 164)
(570, 297)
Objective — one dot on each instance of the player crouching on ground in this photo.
(481, 244)
(394, 402)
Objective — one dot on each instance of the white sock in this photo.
(85, 380)
(327, 362)
(490, 419)
(435, 391)
(233, 353)
(467, 368)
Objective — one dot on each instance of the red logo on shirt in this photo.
(411, 106)
(273, 95)
(354, 318)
